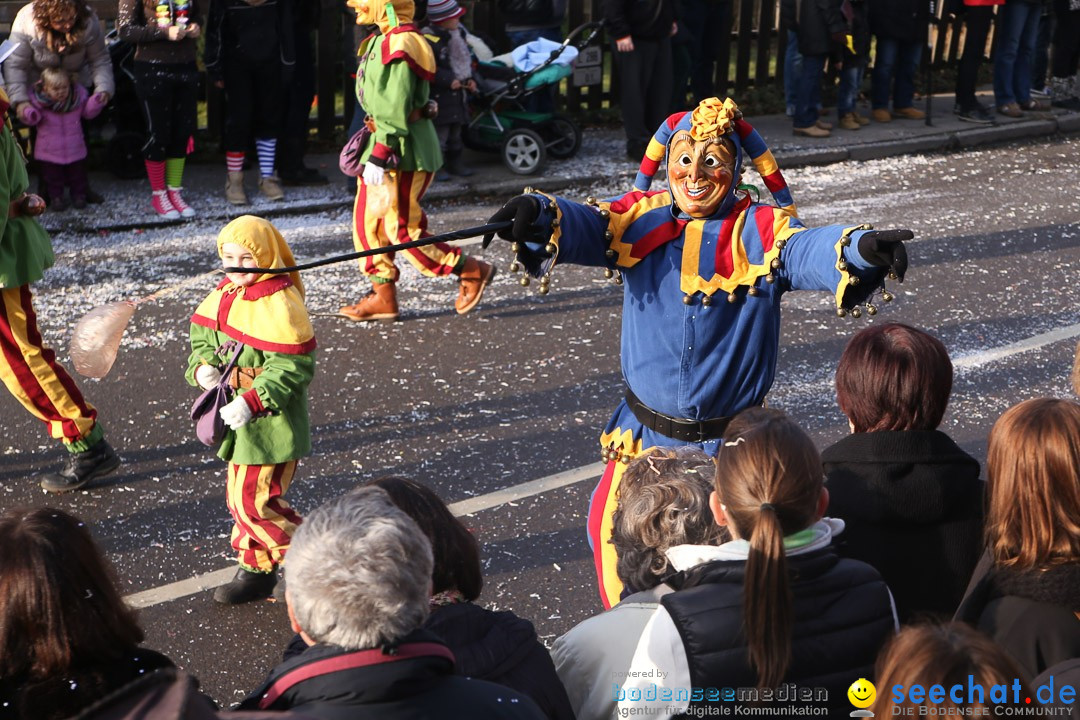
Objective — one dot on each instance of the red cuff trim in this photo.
(253, 402)
(380, 152)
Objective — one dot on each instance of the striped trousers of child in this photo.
(263, 522)
(38, 382)
(402, 221)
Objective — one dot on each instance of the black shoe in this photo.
(59, 204)
(1068, 103)
(460, 170)
(245, 587)
(79, 203)
(975, 114)
(81, 468)
(304, 176)
(94, 198)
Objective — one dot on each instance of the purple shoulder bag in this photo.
(209, 427)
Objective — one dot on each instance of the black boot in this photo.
(454, 166)
(245, 587)
(81, 468)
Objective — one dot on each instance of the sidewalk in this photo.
(601, 157)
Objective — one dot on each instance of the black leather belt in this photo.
(694, 431)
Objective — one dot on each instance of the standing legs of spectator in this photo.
(297, 97)
(644, 91)
(847, 93)
(793, 63)
(707, 22)
(167, 93)
(894, 76)
(977, 20)
(1017, 29)
(808, 97)
(1040, 55)
(452, 147)
(252, 108)
(1064, 84)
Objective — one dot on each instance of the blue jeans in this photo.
(894, 73)
(793, 66)
(808, 93)
(1018, 27)
(850, 81)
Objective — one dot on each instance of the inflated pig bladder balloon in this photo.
(96, 338)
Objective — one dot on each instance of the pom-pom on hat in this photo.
(713, 118)
(439, 10)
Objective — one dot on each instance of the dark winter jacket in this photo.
(1032, 613)
(502, 648)
(415, 680)
(453, 104)
(903, 20)
(64, 697)
(498, 647)
(815, 22)
(529, 14)
(253, 34)
(842, 616)
(912, 503)
(641, 19)
(135, 24)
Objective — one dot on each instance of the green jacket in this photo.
(388, 93)
(25, 249)
(284, 434)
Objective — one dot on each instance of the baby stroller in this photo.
(501, 123)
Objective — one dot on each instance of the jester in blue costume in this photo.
(704, 268)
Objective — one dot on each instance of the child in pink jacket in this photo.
(57, 107)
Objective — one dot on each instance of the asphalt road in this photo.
(520, 389)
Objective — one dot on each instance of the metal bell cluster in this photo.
(613, 455)
(614, 276)
(552, 247)
(857, 311)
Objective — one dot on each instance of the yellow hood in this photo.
(387, 14)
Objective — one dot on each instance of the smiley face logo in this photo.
(862, 692)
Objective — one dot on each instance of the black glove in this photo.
(885, 248)
(523, 210)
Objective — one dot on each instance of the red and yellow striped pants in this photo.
(404, 220)
(601, 509)
(263, 522)
(32, 375)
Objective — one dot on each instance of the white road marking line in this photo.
(975, 360)
(199, 583)
(191, 586)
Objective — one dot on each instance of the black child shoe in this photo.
(245, 587)
(81, 468)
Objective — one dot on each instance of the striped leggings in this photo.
(402, 221)
(263, 522)
(32, 375)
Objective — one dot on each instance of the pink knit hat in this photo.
(439, 10)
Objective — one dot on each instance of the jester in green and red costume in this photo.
(400, 159)
(704, 268)
(27, 366)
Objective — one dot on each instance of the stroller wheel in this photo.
(523, 151)
(565, 137)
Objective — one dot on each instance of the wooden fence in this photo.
(753, 48)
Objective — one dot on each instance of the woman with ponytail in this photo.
(774, 606)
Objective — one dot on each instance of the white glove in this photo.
(207, 376)
(373, 174)
(236, 414)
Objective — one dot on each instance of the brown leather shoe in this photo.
(813, 131)
(909, 113)
(475, 276)
(379, 304)
(882, 115)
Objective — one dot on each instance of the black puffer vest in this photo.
(842, 616)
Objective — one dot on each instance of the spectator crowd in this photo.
(885, 559)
